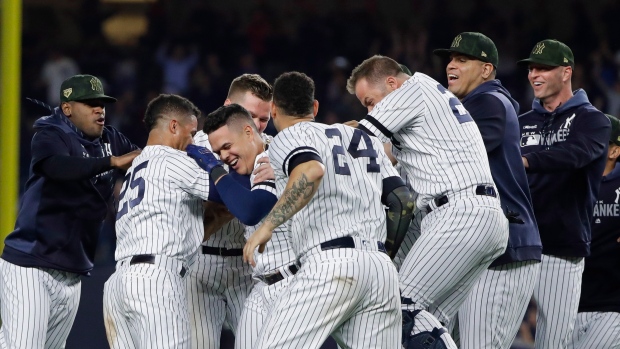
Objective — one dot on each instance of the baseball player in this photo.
(220, 282)
(72, 172)
(158, 229)
(564, 166)
(598, 320)
(440, 147)
(234, 137)
(491, 315)
(331, 181)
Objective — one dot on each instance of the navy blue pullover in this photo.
(566, 150)
(59, 220)
(495, 113)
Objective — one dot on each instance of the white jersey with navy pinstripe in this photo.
(345, 203)
(160, 206)
(231, 234)
(433, 137)
(277, 251)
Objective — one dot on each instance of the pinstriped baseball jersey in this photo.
(160, 206)
(356, 164)
(231, 234)
(277, 252)
(434, 137)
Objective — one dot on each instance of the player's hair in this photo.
(166, 104)
(253, 83)
(293, 93)
(374, 70)
(232, 114)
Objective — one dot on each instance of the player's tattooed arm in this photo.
(302, 185)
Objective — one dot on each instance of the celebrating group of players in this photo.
(429, 224)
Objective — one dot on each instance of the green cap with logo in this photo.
(615, 130)
(472, 44)
(552, 53)
(83, 87)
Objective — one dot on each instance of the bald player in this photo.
(492, 312)
(437, 142)
(332, 181)
(220, 282)
(158, 230)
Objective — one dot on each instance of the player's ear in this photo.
(227, 102)
(567, 73)
(391, 82)
(487, 69)
(614, 151)
(315, 107)
(66, 108)
(273, 110)
(173, 125)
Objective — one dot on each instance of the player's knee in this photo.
(422, 340)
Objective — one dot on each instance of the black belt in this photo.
(277, 276)
(149, 259)
(346, 242)
(485, 190)
(221, 251)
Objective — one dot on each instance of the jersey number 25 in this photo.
(136, 181)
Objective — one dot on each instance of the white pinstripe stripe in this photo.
(38, 306)
(557, 297)
(491, 314)
(596, 330)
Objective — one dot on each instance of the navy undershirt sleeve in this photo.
(249, 206)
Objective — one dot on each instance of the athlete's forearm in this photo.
(301, 187)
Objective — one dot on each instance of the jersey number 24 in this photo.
(132, 180)
(354, 150)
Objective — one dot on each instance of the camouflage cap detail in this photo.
(83, 87)
(615, 130)
(552, 53)
(472, 44)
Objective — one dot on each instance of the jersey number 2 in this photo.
(136, 181)
(354, 150)
(462, 115)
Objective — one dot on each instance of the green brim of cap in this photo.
(525, 62)
(102, 97)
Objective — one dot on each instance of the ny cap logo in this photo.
(95, 84)
(483, 54)
(457, 41)
(538, 49)
(67, 92)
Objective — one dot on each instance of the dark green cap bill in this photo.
(83, 87)
(615, 130)
(552, 53)
(472, 44)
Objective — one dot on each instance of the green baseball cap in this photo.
(405, 69)
(472, 44)
(552, 53)
(615, 130)
(83, 87)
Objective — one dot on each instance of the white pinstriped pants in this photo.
(349, 293)
(557, 297)
(256, 309)
(38, 306)
(217, 287)
(596, 330)
(492, 313)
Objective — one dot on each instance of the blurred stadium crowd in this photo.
(195, 48)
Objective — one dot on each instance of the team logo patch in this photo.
(483, 54)
(530, 140)
(538, 49)
(457, 41)
(96, 85)
(67, 92)
(565, 60)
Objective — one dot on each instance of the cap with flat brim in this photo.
(472, 44)
(551, 53)
(83, 87)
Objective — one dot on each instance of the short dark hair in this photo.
(253, 83)
(227, 115)
(373, 69)
(166, 104)
(293, 93)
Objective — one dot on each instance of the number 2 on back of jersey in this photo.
(353, 149)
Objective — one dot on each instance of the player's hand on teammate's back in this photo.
(263, 172)
(259, 239)
(124, 161)
(203, 156)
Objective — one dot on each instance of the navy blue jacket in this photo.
(58, 223)
(495, 113)
(601, 275)
(566, 150)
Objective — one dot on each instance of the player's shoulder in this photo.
(202, 139)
